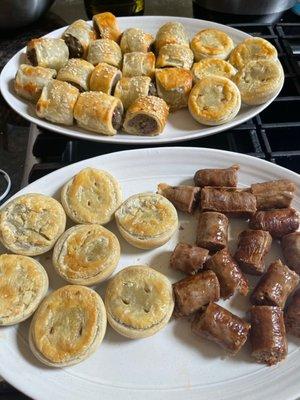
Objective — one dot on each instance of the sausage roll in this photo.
(175, 55)
(253, 246)
(104, 78)
(146, 116)
(222, 327)
(184, 198)
(128, 90)
(211, 43)
(187, 258)
(214, 100)
(212, 66)
(277, 222)
(99, 112)
(57, 102)
(78, 37)
(174, 86)
(230, 201)
(275, 286)
(171, 33)
(106, 26)
(273, 194)
(290, 245)
(292, 317)
(268, 337)
(77, 72)
(135, 39)
(29, 81)
(227, 177)
(137, 64)
(194, 292)
(48, 53)
(105, 51)
(212, 231)
(229, 275)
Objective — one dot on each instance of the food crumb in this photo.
(181, 228)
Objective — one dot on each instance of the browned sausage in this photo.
(229, 275)
(232, 202)
(252, 247)
(275, 286)
(194, 292)
(290, 245)
(222, 327)
(268, 337)
(278, 222)
(187, 258)
(217, 177)
(184, 198)
(292, 318)
(273, 194)
(212, 231)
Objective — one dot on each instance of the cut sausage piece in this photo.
(253, 245)
(273, 194)
(217, 177)
(212, 231)
(230, 201)
(275, 286)
(184, 198)
(194, 292)
(187, 258)
(222, 327)
(290, 245)
(292, 317)
(278, 222)
(268, 337)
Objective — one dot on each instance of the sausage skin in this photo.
(212, 231)
(184, 198)
(273, 194)
(290, 245)
(217, 177)
(187, 258)
(292, 317)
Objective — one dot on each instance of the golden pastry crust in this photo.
(77, 72)
(79, 34)
(104, 78)
(147, 220)
(174, 86)
(91, 196)
(175, 55)
(129, 89)
(214, 100)
(31, 224)
(146, 116)
(106, 26)
(86, 254)
(139, 301)
(104, 51)
(23, 284)
(137, 64)
(171, 33)
(259, 81)
(95, 112)
(212, 66)
(253, 48)
(211, 43)
(29, 81)
(68, 326)
(135, 39)
(48, 53)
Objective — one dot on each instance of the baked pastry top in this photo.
(106, 26)
(175, 55)
(135, 39)
(212, 66)
(211, 43)
(104, 78)
(104, 50)
(77, 72)
(171, 33)
(129, 89)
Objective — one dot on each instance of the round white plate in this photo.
(180, 126)
(174, 364)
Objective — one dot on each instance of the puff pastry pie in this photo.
(171, 33)
(31, 224)
(77, 72)
(78, 37)
(23, 284)
(57, 102)
(91, 196)
(259, 81)
(130, 89)
(48, 53)
(104, 78)
(174, 86)
(212, 66)
(105, 51)
(68, 326)
(147, 220)
(106, 26)
(135, 39)
(137, 64)
(211, 43)
(146, 116)
(175, 55)
(214, 100)
(29, 81)
(139, 301)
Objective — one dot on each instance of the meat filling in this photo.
(75, 48)
(32, 58)
(152, 90)
(116, 79)
(143, 124)
(117, 118)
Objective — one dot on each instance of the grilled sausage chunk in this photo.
(268, 337)
(292, 317)
(273, 194)
(187, 258)
(212, 231)
(290, 245)
(222, 327)
(184, 198)
(217, 177)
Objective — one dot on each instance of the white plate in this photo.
(173, 364)
(180, 126)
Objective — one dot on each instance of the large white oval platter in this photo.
(173, 364)
(180, 126)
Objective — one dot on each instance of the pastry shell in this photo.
(77, 72)
(129, 89)
(171, 33)
(175, 55)
(138, 64)
(106, 26)
(135, 39)
(211, 43)
(104, 50)
(78, 37)
(104, 78)
(212, 66)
